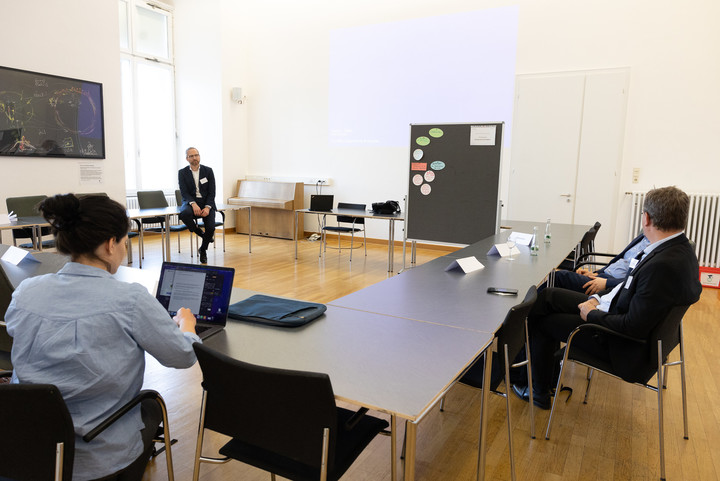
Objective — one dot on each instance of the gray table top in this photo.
(45, 263)
(353, 213)
(429, 293)
(394, 365)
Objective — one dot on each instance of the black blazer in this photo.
(667, 277)
(187, 186)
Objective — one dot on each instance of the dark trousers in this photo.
(152, 417)
(188, 218)
(570, 280)
(553, 317)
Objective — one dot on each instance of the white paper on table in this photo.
(503, 250)
(521, 238)
(14, 255)
(467, 264)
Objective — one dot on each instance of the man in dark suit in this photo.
(663, 275)
(197, 187)
(592, 282)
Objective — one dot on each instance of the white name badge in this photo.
(628, 282)
(633, 262)
(203, 180)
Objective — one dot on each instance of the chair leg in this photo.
(167, 439)
(199, 442)
(682, 382)
(352, 242)
(557, 392)
(509, 420)
(365, 241)
(661, 431)
(528, 367)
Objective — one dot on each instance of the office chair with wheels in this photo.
(512, 338)
(155, 199)
(285, 422)
(659, 344)
(27, 207)
(201, 222)
(38, 440)
(353, 225)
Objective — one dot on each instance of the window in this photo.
(148, 96)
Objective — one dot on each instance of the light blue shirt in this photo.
(619, 268)
(87, 333)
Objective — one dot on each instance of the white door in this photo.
(567, 149)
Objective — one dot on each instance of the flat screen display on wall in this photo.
(44, 115)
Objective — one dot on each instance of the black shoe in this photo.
(203, 256)
(540, 400)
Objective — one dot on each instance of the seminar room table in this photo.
(391, 218)
(430, 294)
(166, 212)
(34, 223)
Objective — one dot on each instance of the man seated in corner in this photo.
(593, 282)
(197, 187)
(663, 275)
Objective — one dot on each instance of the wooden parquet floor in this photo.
(613, 437)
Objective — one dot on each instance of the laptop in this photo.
(321, 202)
(203, 289)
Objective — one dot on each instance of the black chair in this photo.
(353, 225)
(201, 222)
(585, 246)
(285, 422)
(27, 207)
(155, 199)
(512, 339)
(38, 437)
(662, 341)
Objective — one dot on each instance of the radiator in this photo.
(702, 227)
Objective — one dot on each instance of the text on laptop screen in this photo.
(204, 290)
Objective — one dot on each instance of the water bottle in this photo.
(534, 248)
(548, 235)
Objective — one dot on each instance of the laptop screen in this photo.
(205, 290)
(321, 202)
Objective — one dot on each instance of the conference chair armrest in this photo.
(355, 418)
(595, 254)
(590, 263)
(142, 395)
(592, 328)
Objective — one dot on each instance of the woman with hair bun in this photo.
(87, 333)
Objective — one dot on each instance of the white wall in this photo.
(78, 39)
(278, 52)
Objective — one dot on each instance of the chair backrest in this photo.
(512, 331)
(277, 410)
(24, 206)
(348, 219)
(34, 419)
(178, 197)
(669, 332)
(151, 199)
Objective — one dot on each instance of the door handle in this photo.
(566, 195)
